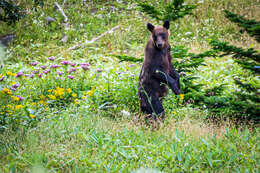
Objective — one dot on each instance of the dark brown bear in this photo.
(157, 72)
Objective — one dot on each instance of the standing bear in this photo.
(157, 72)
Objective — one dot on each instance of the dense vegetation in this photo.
(69, 104)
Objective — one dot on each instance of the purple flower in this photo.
(52, 58)
(20, 97)
(46, 71)
(71, 77)
(72, 70)
(15, 85)
(35, 71)
(84, 66)
(12, 88)
(34, 63)
(132, 65)
(73, 64)
(60, 73)
(40, 75)
(55, 66)
(99, 70)
(132, 75)
(19, 74)
(43, 67)
(31, 76)
(2, 78)
(65, 62)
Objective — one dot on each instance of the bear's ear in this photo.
(150, 27)
(166, 24)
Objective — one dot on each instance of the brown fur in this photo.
(152, 84)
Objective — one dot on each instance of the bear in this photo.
(157, 72)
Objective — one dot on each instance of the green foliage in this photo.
(11, 12)
(250, 26)
(161, 11)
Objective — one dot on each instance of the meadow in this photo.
(77, 110)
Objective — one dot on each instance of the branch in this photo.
(95, 39)
(60, 9)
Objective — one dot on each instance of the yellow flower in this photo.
(18, 106)
(77, 101)
(3, 107)
(181, 96)
(15, 98)
(33, 103)
(42, 97)
(174, 112)
(47, 108)
(91, 92)
(7, 91)
(74, 95)
(42, 102)
(10, 106)
(10, 74)
(13, 83)
(59, 91)
(50, 90)
(52, 97)
(32, 116)
(2, 113)
(69, 90)
(84, 97)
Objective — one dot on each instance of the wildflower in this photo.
(40, 75)
(52, 97)
(42, 97)
(59, 91)
(72, 70)
(49, 91)
(65, 62)
(69, 90)
(46, 71)
(99, 70)
(15, 85)
(13, 89)
(34, 63)
(10, 107)
(10, 74)
(132, 65)
(91, 92)
(32, 116)
(181, 96)
(84, 97)
(33, 103)
(31, 76)
(84, 66)
(71, 77)
(18, 106)
(43, 67)
(15, 98)
(19, 74)
(2, 77)
(60, 73)
(35, 71)
(74, 95)
(20, 97)
(73, 64)
(52, 58)
(55, 66)
(132, 75)
(6, 91)
(42, 102)
(76, 101)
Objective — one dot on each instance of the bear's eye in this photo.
(163, 36)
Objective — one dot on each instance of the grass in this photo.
(92, 123)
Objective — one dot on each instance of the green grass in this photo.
(97, 126)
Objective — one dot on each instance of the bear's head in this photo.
(160, 34)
